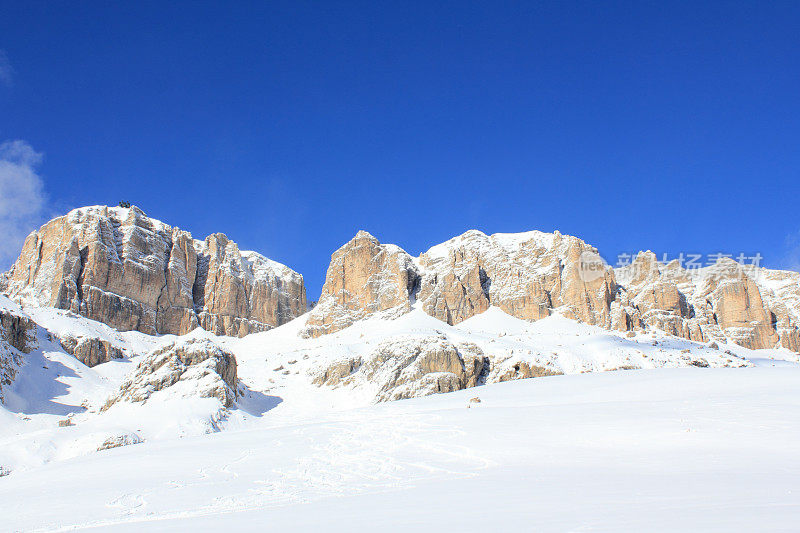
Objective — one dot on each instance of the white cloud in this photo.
(22, 197)
(791, 257)
(5, 69)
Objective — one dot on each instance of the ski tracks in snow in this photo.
(356, 454)
(362, 456)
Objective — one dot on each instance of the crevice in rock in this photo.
(39, 256)
(486, 283)
(199, 286)
(116, 234)
(484, 373)
(161, 293)
(414, 285)
(82, 257)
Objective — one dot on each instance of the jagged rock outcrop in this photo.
(18, 331)
(10, 361)
(90, 351)
(337, 372)
(525, 370)
(120, 267)
(720, 301)
(364, 277)
(532, 275)
(193, 367)
(17, 337)
(527, 275)
(117, 441)
(741, 314)
(406, 367)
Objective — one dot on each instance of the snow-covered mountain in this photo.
(161, 387)
(123, 338)
(534, 275)
(296, 425)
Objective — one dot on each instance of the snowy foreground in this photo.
(694, 437)
(703, 449)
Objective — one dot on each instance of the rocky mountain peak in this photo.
(534, 274)
(364, 277)
(528, 275)
(119, 266)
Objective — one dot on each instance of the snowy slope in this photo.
(291, 453)
(662, 450)
(279, 375)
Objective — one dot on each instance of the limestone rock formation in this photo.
(532, 275)
(10, 361)
(17, 337)
(780, 290)
(406, 367)
(337, 372)
(364, 277)
(741, 314)
(525, 370)
(719, 301)
(120, 267)
(528, 275)
(191, 367)
(90, 351)
(18, 330)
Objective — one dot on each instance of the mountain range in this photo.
(119, 330)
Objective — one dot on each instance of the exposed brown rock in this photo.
(118, 266)
(336, 372)
(17, 337)
(532, 275)
(18, 331)
(527, 275)
(524, 370)
(741, 314)
(662, 296)
(364, 277)
(407, 367)
(90, 351)
(721, 301)
(190, 367)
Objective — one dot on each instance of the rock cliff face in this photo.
(528, 275)
(364, 277)
(755, 307)
(120, 267)
(531, 275)
(17, 337)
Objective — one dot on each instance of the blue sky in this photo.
(672, 126)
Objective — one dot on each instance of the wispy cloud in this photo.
(6, 72)
(791, 257)
(22, 197)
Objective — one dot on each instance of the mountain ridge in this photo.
(133, 272)
(130, 271)
(532, 274)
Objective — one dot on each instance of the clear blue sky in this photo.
(289, 126)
